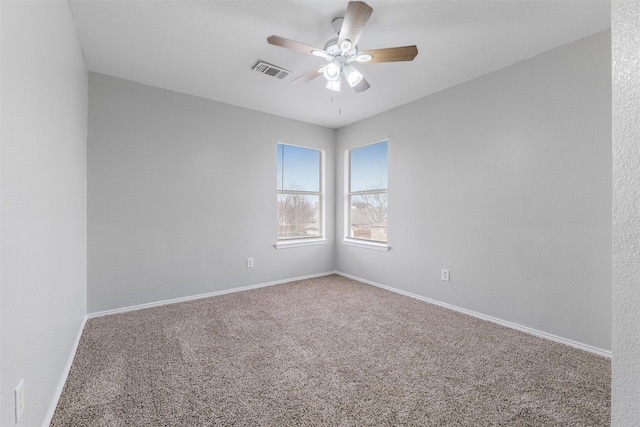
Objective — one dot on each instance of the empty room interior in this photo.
(320, 213)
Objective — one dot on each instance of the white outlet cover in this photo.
(19, 399)
(444, 275)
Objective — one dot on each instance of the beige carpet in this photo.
(325, 351)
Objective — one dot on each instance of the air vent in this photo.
(271, 70)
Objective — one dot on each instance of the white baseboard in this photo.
(63, 377)
(205, 295)
(550, 337)
(67, 368)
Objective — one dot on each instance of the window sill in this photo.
(367, 245)
(299, 243)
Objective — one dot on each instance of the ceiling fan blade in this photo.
(391, 54)
(309, 76)
(362, 86)
(294, 45)
(357, 15)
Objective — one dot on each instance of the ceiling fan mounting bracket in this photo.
(336, 24)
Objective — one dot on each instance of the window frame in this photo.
(291, 242)
(348, 194)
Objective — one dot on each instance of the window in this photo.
(300, 193)
(367, 201)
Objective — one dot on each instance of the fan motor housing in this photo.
(332, 48)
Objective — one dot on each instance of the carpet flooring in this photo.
(328, 351)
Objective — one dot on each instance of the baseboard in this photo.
(63, 377)
(550, 337)
(67, 368)
(200, 296)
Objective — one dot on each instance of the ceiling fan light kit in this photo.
(341, 51)
(333, 85)
(353, 76)
(332, 71)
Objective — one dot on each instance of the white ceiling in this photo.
(208, 48)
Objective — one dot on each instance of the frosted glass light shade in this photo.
(331, 71)
(353, 76)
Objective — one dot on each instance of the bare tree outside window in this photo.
(368, 196)
(299, 199)
(297, 215)
(375, 207)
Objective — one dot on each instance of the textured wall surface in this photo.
(44, 201)
(506, 181)
(625, 18)
(181, 190)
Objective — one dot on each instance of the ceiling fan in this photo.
(342, 51)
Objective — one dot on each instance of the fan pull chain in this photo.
(339, 103)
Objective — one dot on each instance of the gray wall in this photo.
(455, 177)
(182, 190)
(43, 211)
(625, 387)
(506, 181)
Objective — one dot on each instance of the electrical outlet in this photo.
(444, 275)
(19, 399)
(249, 262)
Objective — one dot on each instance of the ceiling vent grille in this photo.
(271, 70)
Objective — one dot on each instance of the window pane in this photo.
(298, 168)
(369, 167)
(368, 216)
(298, 216)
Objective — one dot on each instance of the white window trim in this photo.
(347, 240)
(286, 244)
(377, 246)
(316, 240)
